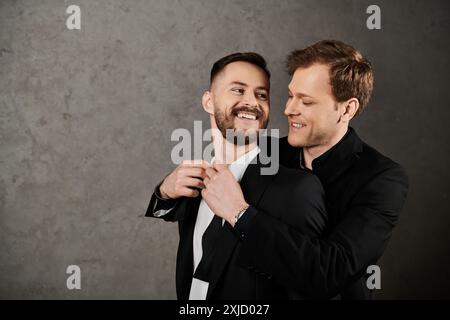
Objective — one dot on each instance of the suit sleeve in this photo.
(167, 209)
(320, 267)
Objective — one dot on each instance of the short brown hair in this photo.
(351, 74)
(250, 57)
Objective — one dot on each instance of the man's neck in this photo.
(227, 152)
(311, 153)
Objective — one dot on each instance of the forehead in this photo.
(314, 79)
(244, 72)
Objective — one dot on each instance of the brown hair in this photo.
(351, 74)
(250, 57)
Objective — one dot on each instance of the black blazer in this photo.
(274, 196)
(365, 192)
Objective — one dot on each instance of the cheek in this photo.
(231, 102)
(311, 115)
(225, 105)
(232, 98)
(327, 122)
(225, 99)
(322, 116)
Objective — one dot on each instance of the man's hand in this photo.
(222, 193)
(184, 180)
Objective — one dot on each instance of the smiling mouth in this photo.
(297, 125)
(247, 115)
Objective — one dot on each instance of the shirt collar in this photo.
(320, 159)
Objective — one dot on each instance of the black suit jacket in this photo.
(365, 192)
(275, 196)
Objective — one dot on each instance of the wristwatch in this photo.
(240, 213)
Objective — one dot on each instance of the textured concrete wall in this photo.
(86, 118)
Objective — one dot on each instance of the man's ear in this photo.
(207, 102)
(351, 107)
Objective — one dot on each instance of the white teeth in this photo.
(297, 125)
(246, 116)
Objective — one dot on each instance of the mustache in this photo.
(257, 111)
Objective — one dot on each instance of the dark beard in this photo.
(225, 123)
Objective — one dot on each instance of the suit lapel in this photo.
(186, 268)
(253, 185)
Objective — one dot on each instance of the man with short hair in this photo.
(212, 225)
(365, 191)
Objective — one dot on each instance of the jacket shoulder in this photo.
(296, 179)
(372, 158)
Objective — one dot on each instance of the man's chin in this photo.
(246, 126)
(246, 130)
(295, 141)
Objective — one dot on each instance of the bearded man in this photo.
(209, 263)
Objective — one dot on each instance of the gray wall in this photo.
(86, 118)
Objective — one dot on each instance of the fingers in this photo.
(196, 163)
(206, 181)
(220, 166)
(194, 175)
(189, 192)
(184, 180)
(193, 183)
(193, 172)
(210, 172)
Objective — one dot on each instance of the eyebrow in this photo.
(246, 85)
(300, 94)
(239, 83)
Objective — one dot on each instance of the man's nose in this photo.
(291, 109)
(250, 99)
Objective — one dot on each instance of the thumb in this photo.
(220, 166)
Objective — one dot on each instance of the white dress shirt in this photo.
(205, 215)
